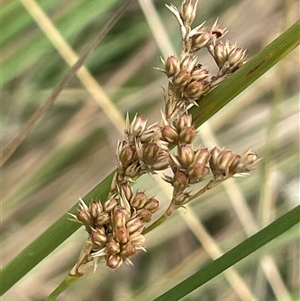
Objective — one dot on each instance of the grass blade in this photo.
(233, 256)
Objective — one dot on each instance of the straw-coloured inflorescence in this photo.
(115, 226)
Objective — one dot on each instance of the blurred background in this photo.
(73, 148)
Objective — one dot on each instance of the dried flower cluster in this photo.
(115, 226)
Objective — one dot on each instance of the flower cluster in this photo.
(115, 226)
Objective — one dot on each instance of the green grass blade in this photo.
(47, 242)
(236, 254)
(208, 106)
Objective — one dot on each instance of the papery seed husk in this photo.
(110, 204)
(139, 200)
(187, 135)
(102, 219)
(152, 205)
(185, 155)
(121, 234)
(95, 208)
(114, 261)
(98, 237)
(84, 217)
(128, 250)
(180, 180)
(113, 247)
(145, 215)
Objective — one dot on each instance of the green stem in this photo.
(62, 287)
(156, 223)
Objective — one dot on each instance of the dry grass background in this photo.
(72, 149)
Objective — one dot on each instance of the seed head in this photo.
(188, 11)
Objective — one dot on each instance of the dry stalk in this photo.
(115, 226)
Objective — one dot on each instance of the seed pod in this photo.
(138, 125)
(128, 250)
(169, 134)
(184, 121)
(150, 153)
(110, 204)
(152, 205)
(180, 180)
(119, 217)
(137, 239)
(114, 261)
(220, 54)
(202, 156)
(84, 217)
(127, 155)
(113, 247)
(162, 162)
(95, 208)
(185, 155)
(99, 237)
(134, 225)
(145, 215)
(121, 234)
(132, 170)
(188, 11)
(187, 135)
(199, 73)
(139, 200)
(200, 40)
(182, 78)
(197, 172)
(102, 219)
(188, 63)
(172, 65)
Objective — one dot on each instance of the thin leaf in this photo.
(233, 256)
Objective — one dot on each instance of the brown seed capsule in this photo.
(102, 219)
(172, 65)
(95, 208)
(202, 156)
(137, 239)
(187, 135)
(121, 234)
(199, 73)
(114, 261)
(169, 134)
(134, 225)
(127, 155)
(98, 237)
(84, 217)
(150, 153)
(188, 63)
(145, 215)
(139, 200)
(113, 247)
(180, 180)
(152, 205)
(220, 54)
(110, 204)
(185, 155)
(248, 161)
(200, 40)
(188, 11)
(195, 89)
(128, 250)
(138, 125)
(182, 78)
(197, 172)
(132, 170)
(184, 121)
(162, 162)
